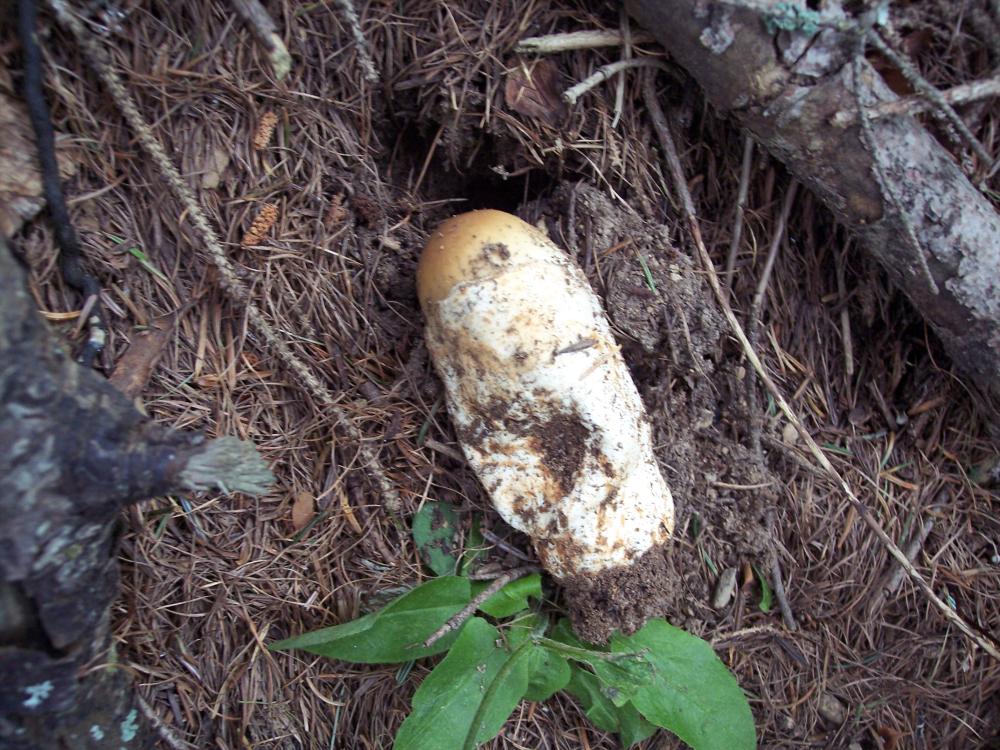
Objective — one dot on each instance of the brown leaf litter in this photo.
(209, 581)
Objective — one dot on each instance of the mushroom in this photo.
(543, 403)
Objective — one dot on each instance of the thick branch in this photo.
(786, 87)
(74, 451)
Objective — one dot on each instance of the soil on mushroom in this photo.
(360, 175)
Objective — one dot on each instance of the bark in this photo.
(786, 87)
(74, 452)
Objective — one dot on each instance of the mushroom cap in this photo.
(474, 246)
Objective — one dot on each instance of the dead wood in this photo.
(75, 452)
(786, 87)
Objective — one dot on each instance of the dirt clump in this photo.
(620, 598)
(672, 334)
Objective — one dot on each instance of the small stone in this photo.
(724, 588)
(832, 710)
(789, 435)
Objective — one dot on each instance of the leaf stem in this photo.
(585, 654)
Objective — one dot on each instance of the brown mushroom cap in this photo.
(474, 246)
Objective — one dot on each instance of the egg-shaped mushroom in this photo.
(541, 399)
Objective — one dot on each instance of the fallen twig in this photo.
(911, 105)
(741, 200)
(626, 55)
(845, 313)
(492, 538)
(777, 579)
(912, 550)
(753, 320)
(264, 28)
(868, 138)
(680, 185)
(912, 75)
(234, 287)
(360, 43)
(605, 72)
(166, 733)
(781, 596)
(573, 40)
(455, 622)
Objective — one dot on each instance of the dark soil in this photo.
(620, 598)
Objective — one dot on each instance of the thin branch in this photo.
(845, 313)
(781, 596)
(868, 137)
(772, 254)
(231, 283)
(360, 43)
(573, 40)
(741, 201)
(911, 105)
(626, 55)
(264, 28)
(168, 735)
(931, 94)
(510, 549)
(753, 320)
(605, 72)
(456, 622)
(677, 175)
(912, 550)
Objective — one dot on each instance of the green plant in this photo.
(510, 651)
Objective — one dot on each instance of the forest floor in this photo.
(359, 172)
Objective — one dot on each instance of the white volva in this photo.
(540, 396)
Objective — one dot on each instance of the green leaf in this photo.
(434, 527)
(473, 690)
(513, 597)
(586, 688)
(502, 696)
(563, 633)
(548, 671)
(692, 693)
(394, 633)
(605, 715)
(634, 728)
(475, 546)
(621, 674)
(528, 625)
(766, 597)
(645, 272)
